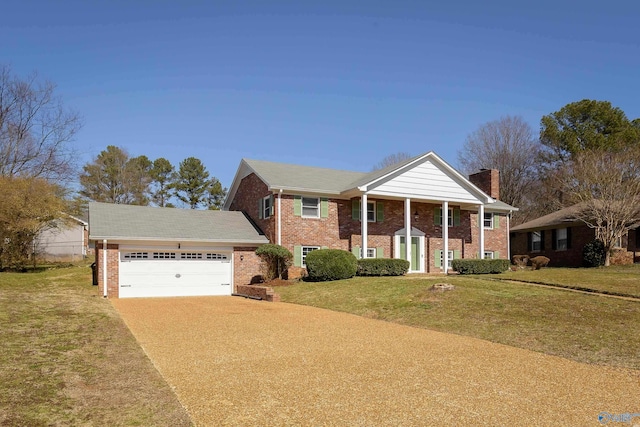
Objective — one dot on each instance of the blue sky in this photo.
(331, 84)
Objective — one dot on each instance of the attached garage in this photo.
(144, 251)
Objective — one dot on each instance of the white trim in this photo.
(484, 219)
(407, 230)
(481, 227)
(264, 207)
(318, 207)
(279, 213)
(303, 256)
(414, 233)
(445, 237)
(364, 223)
(104, 267)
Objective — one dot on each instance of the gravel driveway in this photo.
(242, 363)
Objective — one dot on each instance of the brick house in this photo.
(561, 237)
(374, 214)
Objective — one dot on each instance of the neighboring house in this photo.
(63, 240)
(374, 214)
(561, 237)
(171, 252)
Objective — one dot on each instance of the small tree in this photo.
(277, 260)
(606, 187)
(593, 254)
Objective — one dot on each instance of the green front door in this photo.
(415, 255)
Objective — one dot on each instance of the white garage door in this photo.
(166, 274)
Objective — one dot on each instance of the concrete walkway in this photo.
(239, 362)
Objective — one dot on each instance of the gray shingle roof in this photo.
(564, 217)
(126, 222)
(305, 178)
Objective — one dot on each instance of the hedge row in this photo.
(382, 267)
(480, 266)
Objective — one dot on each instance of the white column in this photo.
(104, 267)
(445, 237)
(364, 224)
(407, 232)
(508, 236)
(481, 233)
(280, 217)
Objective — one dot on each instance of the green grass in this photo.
(68, 359)
(617, 280)
(586, 328)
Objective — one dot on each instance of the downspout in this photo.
(509, 235)
(280, 218)
(104, 268)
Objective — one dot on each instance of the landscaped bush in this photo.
(331, 264)
(538, 262)
(382, 267)
(593, 254)
(480, 266)
(277, 260)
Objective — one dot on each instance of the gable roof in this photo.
(127, 222)
(306, 179)
(564, 217)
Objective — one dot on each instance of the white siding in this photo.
(426, 181)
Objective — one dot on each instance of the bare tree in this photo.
(392, 159)
(606, 187)
(35, 129)
(508, 145)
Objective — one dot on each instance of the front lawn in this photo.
(68, 359)
(622, 280)
(582, 327)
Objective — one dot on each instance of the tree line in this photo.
(114, 177)
(587, 154)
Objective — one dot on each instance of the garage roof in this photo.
(126, 222)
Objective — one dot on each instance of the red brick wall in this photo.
(488, 180)
(250, 191)
(572, 257)
(246, 266)
(112, 269)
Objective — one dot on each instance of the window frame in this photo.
(565, 240)
(374, 211)
(266, 206)
(449, 260)
(302, 207)
(372, 251)
(534, 241)
(303, 255)
(490, 254)
(490, 219)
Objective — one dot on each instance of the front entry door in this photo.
(415, 254)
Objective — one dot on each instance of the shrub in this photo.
(593, 254)
(521, 261)
(538, 262)
(480, 266)
(331, 264)
(382, 267)
(277, 260)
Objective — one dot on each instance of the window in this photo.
(488, 220)
(488, 255)
(311, 207)
(164, 255)
(267, 206)
(371, 211)
(305, 251)
(449, 256)
(216, 256)
(191, 255)
(536, 241)
(371, 252)
(453, 217)
(136, 255)
(561, 239)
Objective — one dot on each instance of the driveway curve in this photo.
(236, 362)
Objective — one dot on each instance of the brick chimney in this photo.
(488, 180)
